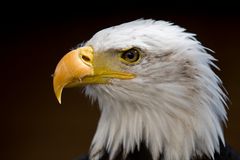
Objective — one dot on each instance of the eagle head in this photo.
(154, 85)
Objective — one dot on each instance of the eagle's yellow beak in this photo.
(72, 68)
(81, 66)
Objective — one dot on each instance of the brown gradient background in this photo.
(34, 126)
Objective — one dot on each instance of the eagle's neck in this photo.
(170, 127)
(226, 153)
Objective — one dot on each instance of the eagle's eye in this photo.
(130, 56)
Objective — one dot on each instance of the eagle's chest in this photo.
(226, 153)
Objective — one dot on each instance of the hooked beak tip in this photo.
(59, 100)
(58, 93)
(71, 68)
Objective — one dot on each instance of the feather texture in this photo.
(175, 105)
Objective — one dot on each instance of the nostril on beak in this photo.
(86, 58)
(86, 55)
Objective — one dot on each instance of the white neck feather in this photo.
(167, 124)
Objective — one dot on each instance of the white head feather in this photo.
(175, 105)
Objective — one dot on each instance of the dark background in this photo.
(34, 38)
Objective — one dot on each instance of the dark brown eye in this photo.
(131, 55)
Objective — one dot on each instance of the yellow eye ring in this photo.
(130, 56)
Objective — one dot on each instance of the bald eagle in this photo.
(158, 96)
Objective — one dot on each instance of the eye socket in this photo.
(130, 56)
